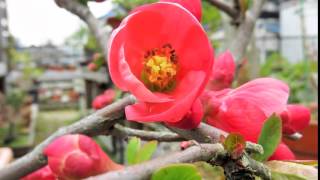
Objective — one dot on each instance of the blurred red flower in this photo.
(295, 118)
(104, 99)
(223, 72)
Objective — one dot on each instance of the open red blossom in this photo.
(295, 118)
(194, 6)
(192, 119)
(245, 109)
(44, 173)
(223, 72)
(76, 157)
(104, 99)
(161, 54)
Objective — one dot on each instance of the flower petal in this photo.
(268, 94)
(282, 153)
(194, 6)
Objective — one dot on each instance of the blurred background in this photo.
(45, 51)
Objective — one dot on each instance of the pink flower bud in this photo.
(223, 72)
(295, 118)
(44, 173)
(104, 99)
(77, 157)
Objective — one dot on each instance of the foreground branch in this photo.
(122, 131)
(204, 152)
(228, 9)
(84, 13)
(95, 124)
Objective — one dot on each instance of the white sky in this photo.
(35, 22)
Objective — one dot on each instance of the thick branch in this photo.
(84, 13)
(223, 6)
(97, 123)
(204, 152)
(146, 135)
(245, 30)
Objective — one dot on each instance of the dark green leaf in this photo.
(270, 137)
(177, 172)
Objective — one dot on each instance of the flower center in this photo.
(160, 69)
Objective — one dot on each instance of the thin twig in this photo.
(95, 124)
(122, 131)
(83, 12)
(223, 6)
(203, 152)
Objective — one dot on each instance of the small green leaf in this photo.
(146, 151)
(283, 176)
(270, 137)
(209, 172)
(235, 144)
(177, 172)
(132, 150)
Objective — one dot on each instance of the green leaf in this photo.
(293, 170)
(177, 172)
(132, 150)
(270, 137)
(235, 144)
(284, 176)
(209, 172)
(146, 152)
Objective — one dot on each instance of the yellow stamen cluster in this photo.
(160, 69)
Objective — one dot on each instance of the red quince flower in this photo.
(295, 118)
(245, 109)
(194, 6)
(282, 153)
(161, 54)
(77, 156)
(44, 173)
(223, 72)
(192, 119)
(104, 99)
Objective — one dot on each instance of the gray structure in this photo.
(4, 34)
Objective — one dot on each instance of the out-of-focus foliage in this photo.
(129, 5)
(23, 59)
(15, 98)
(83, 39)
(296, 75)
(211, 17)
